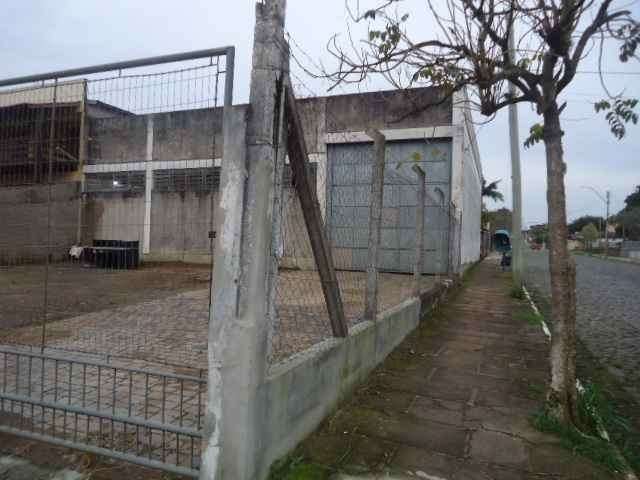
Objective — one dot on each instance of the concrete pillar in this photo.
(375, 215)
(148, 188)
(419, 260)
(238, 327)
(225, 287)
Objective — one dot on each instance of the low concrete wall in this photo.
(300, 392)
(630, 249)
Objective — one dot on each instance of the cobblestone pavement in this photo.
(172, 330)
(91, 362)
(608, 310)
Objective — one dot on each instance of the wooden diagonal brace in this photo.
(299, 160)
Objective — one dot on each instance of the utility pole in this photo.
(516, 187)
(606, 199)
(606, 225)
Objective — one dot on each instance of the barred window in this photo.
(115, 182)
(187, 180)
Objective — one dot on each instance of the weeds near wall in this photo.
(517, 293)
(296, 468)
(526, 315)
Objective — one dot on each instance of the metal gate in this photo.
(349, 190)
(109, 178)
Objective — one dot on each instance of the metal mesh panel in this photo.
(108, 183)
(342, 180)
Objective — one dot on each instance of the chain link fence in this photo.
(341, 175)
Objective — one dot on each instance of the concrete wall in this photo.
(187, 134)
(180, 224)
(177, 223)
(24, 222)
(388, 109)
(182, 135)
(113, 216)
(466, 183)
(117, 139)
(300, 392)
(471, 202)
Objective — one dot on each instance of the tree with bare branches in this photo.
(471, 49)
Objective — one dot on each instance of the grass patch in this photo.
(535, 390)
(467, 275)
(517, 293)
(594, 448)
(597, 414)
(620, 429)
(527, 315)
(296, 468)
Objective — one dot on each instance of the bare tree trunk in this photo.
(562, 395)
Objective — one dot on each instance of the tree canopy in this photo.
(589, 233)
(499, 219)
(633, 200)
(539, 233)
(471, 48)
(577, 225)
(490, 190)
(629, 223)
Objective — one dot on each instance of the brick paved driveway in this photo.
(608, 310)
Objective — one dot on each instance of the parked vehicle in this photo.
(502, 244)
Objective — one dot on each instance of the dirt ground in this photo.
(47, 460)
(75, 290)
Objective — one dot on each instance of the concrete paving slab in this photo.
(453, 401)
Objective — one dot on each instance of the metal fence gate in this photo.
(348, 194)
(109, 176)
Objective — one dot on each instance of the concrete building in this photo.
(155, 179)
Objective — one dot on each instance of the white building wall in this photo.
(466, 179)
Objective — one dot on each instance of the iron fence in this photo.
(142, 415)
(108, 184)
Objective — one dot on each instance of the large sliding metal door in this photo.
(349, 190)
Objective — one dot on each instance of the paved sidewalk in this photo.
(452, 401)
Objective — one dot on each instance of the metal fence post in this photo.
(459, 262)
(375, 215)
(419, 260)
(82, 159)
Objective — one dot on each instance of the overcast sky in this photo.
(44, 35)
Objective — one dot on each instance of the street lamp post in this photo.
(607, 200)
